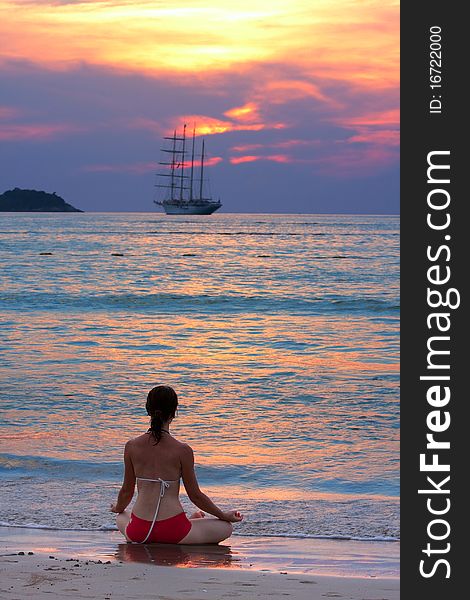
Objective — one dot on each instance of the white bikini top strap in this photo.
(163, 487)
(156, 480)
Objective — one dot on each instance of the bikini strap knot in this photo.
(164, 485)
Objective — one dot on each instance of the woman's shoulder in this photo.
(137, 441)
(181, 447)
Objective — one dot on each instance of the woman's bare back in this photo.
(156, 461)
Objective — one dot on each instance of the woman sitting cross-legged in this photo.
(156, 461)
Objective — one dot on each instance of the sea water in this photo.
(278, 332)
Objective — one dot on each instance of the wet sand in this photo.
(273, 554)
(70, 564)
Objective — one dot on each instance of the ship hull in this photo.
(189, 209)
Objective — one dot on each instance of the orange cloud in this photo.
(208, 125)
(248, 112)
(212, 126)
(204, 125)
(346, 41)
(279, 53)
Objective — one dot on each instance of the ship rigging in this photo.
(184, 194)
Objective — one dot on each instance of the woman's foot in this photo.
(198, 515)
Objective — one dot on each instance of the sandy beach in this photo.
(39, 577)
(58, 564)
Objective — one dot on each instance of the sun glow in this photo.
(287, 81)
(202, 37)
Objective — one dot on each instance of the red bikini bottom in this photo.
(166, 531)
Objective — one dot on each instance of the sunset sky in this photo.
(298, 100)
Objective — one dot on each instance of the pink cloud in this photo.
(283, 91)
(351, 162)
(148, 124)
(143, 167)
(386, 137)
(378, 133)
(18, 131)
(295, 143)
(340, 159)
(8, 112)
(236, 160)
(246, 147)
(284, 144)
(209, 161)
(388, 117)
(279, 158)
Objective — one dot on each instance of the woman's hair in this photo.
(161, 405)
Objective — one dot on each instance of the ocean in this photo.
(280, 334)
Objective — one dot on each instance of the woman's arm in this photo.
(127, 489)
(195, 494)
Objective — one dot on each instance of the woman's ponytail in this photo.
(156, 424)
(161, 406)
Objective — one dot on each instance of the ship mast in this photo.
(172, 185)
(192, 166)
(182, 163)
(174, 164)
(202, 171)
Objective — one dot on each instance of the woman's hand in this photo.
(114, 509)
(232, 516)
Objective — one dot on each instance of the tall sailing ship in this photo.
(184, 193)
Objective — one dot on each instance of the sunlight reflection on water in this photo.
(279, 333)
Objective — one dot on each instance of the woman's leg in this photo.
(207, 531)
(122, 520)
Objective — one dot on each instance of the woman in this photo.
(156, 461)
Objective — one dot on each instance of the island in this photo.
(33, 201)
